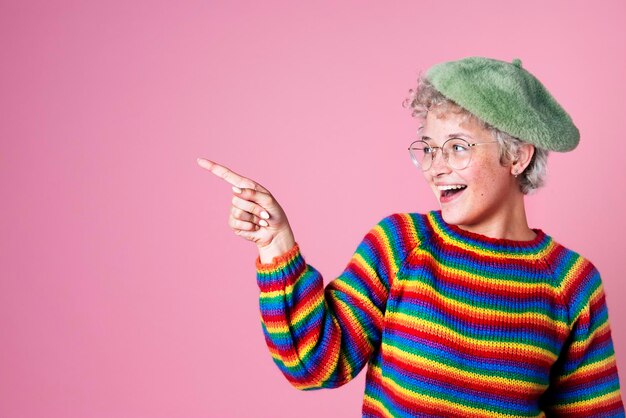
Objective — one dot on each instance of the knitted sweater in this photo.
(450, 323)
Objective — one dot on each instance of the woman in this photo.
(464, 311)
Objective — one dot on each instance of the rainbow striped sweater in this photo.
(451, 323)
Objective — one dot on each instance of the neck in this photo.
(509, 223)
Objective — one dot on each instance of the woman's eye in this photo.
(458, 148)
(428, 150)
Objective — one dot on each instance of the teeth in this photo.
(451, 187)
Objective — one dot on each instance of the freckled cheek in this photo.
(485, 177)
(486, 183)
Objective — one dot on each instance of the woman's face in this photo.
(491, 191)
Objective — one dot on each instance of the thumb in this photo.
(249, 235)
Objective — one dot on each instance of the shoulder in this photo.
(414, 225)
(569, 267)
(576, 278)
(402, 231)
(411, 226)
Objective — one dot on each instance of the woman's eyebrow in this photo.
(454, 135)
(459, 134)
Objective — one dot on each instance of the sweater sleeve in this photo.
(322, 337)
(584, 380)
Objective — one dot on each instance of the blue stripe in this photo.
(471, 296)
(502, 368)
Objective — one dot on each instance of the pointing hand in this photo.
(255, 215)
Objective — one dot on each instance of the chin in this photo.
(451, 217)
(455, 212)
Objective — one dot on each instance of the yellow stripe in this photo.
(275, 293)
(345, 288)
(275, 328)
(361, 263)
(290, 362)
(572, 274)
(600, 400)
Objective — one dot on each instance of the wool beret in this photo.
(507, 97)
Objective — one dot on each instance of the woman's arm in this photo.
(584, 380)
(322, 337)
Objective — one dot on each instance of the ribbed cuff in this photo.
(283, 269)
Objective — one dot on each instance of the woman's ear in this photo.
(524, 155)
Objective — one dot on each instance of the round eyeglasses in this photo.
(457, 152)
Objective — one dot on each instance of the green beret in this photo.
(507, 97)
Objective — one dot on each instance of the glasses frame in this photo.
(445, 154)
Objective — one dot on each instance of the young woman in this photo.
(463, 311)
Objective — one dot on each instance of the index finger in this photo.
(229, 175)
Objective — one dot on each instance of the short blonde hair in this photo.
(425, 97)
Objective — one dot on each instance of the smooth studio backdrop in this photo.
(124, 293)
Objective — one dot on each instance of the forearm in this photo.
(322, 336)
(300, 333)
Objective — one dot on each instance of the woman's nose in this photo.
(439, 163)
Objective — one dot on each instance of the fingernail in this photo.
(236, 189)
(263, 223)
(265, 215)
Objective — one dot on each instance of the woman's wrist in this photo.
(279, 246)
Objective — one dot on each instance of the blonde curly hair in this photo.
(425, 97)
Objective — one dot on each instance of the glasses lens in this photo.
(421, 154)
(458, 152)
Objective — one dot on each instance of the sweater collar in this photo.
(453, 235)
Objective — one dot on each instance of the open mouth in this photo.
(448, 191)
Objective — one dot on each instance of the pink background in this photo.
(123, 291)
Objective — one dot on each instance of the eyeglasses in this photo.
(457, 152)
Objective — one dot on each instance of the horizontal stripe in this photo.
(467, 367)
(528, 364)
